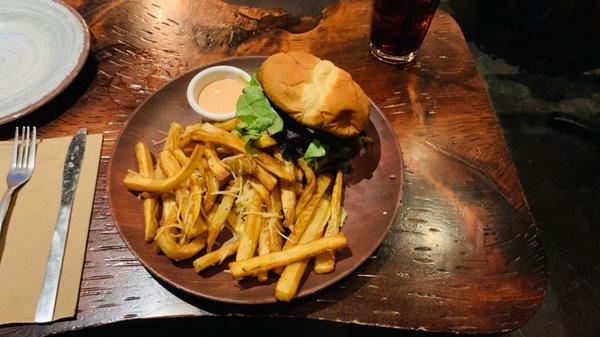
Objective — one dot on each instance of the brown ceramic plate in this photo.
(371, 199)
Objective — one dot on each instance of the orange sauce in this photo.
(221, 96)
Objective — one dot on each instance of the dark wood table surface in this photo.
(464, 253)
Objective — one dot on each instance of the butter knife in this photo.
(72, 167)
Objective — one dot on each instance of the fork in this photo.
(21, 166)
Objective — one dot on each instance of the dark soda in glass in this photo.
(398, 28)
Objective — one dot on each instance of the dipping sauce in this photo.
(221, 96)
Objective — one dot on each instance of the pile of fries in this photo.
(279, 214)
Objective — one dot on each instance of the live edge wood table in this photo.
(464, 253)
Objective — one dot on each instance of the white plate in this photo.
(43, 45)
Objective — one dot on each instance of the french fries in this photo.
(215, 165)
(168, 203)
(168, 245)
(288, 282)
(168, 163)
(274, 224)
(212, 134)
(228, 125)
(311, 185)
(288, 203)
(265, 177)
(175, 132)
(217, 221)
(137, 182)
(206, 184)
(212, 187)
(240, 164)
(325, 262)
(307, 213)
(249, 237)
(144, 161)
(274, 166)
(196, 204)
(262, 191)
(263, 248)
(181, 157)
(284, 258)
(265, 141)
(216, 256)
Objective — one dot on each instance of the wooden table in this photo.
(464, 254)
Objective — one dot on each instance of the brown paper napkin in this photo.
(30, 224)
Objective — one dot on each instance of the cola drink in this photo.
(398, 28)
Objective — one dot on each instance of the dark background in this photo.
(539, 59)
(535, 68)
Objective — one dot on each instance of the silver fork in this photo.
(21, 166)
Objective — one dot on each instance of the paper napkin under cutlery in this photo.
(29, 226)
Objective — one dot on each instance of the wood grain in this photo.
(464, 253)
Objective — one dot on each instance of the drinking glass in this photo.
(398, 28)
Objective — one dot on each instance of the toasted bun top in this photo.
(315, 93)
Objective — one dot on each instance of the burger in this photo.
(310, 106)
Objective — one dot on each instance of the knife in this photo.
(72, 167)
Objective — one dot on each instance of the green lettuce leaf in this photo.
(315, 150)
(343, 217)
(255, 113)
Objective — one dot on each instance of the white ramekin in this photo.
(204, 78)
